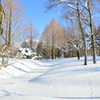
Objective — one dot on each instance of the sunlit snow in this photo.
(59, 79)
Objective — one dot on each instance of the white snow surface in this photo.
(59, 79)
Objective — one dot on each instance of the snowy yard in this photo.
(60, 79)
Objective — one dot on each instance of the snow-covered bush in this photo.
(26, 53)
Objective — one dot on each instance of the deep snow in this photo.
(59, 79)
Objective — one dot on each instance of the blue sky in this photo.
(35, 10)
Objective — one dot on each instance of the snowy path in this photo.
(61, 79)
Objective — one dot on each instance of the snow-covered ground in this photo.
(60, 79)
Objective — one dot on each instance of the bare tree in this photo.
(90, 6)
(76, 7)
(72, 41)
(31, 34)
(15, 20)
(53, 37)
(13, 27)
(84, 10)
(45, 38)
(56, 36)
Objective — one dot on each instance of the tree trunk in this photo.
(72, 53)
(78, 54)
(94, 49)
(3, 63)
(47, 52)
(10, 26)
(82, 32)
(53, 52)
(64, 54)
(92, 32)
(99, 51)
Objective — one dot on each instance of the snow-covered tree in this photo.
(72, 41)
(25, 53)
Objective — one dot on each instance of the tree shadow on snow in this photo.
(20, 69)
(76, 98)
(24, 65)
(6, 93)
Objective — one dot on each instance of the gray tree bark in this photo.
(83, 38)
(92, 32)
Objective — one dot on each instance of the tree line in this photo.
(80, 37)
(83, 30)
(57, 41)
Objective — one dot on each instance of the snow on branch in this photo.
(68, 3)
(73, 43)
(71, 6)
(71, 18)
(61, 1)
(72, 13)
(84, 6)
(88, 38)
